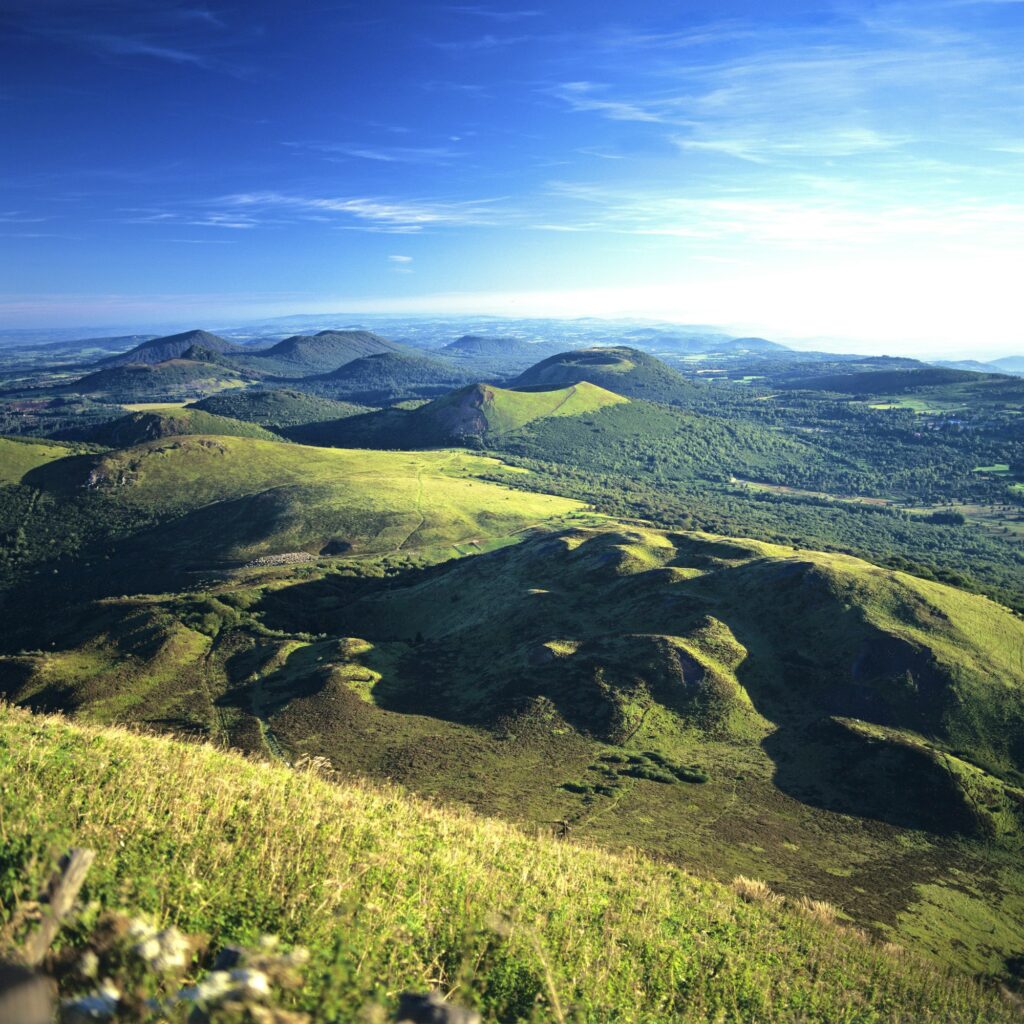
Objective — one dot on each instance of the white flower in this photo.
(298, 956)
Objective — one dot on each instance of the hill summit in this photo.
(139, 427)
(382, 377)
(476, 411)
(304, 354)
(172, 346)
(623, 370)
(485, 409)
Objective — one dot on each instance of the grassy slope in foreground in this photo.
(389, 892)
(19, 457)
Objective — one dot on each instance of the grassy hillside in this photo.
(389, 892)
(389, 377)
(697, 637)
(678, 468)
(167, 381)
(19, 457)
(484, 409)
(245, 497)
(139, 427)
(305, 354)
(477, 413)
(625, 371)
(173, 346)
(276, 408)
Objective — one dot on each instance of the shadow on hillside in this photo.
(799, 675)
(179, 554)
(794, 678)
(817, 760)
(62, 476)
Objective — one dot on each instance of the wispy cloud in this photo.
(492, 13)
(222, 220)
(371, 213)
(479, 44)
(19, 217)
(134, 46)
(381, 154)
(592, 97)
(763, 148)
(861, 85)
(170, 32)
(33, 234)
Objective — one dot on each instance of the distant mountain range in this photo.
(1008, 364)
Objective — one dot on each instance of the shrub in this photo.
(821, 910)
(753, 890)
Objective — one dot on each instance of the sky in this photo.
(849, 171)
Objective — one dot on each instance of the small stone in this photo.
(430, 1008)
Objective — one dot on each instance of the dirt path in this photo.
(257, 705)
(219, 731)
(418, 506)
(569, 394)
(418, 502)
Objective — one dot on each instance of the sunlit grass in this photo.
(391, 892)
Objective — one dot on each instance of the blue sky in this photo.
(846, 170)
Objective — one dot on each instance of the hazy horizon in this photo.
(481, 322)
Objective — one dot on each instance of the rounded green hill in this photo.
(485, 409)
(625, 371)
